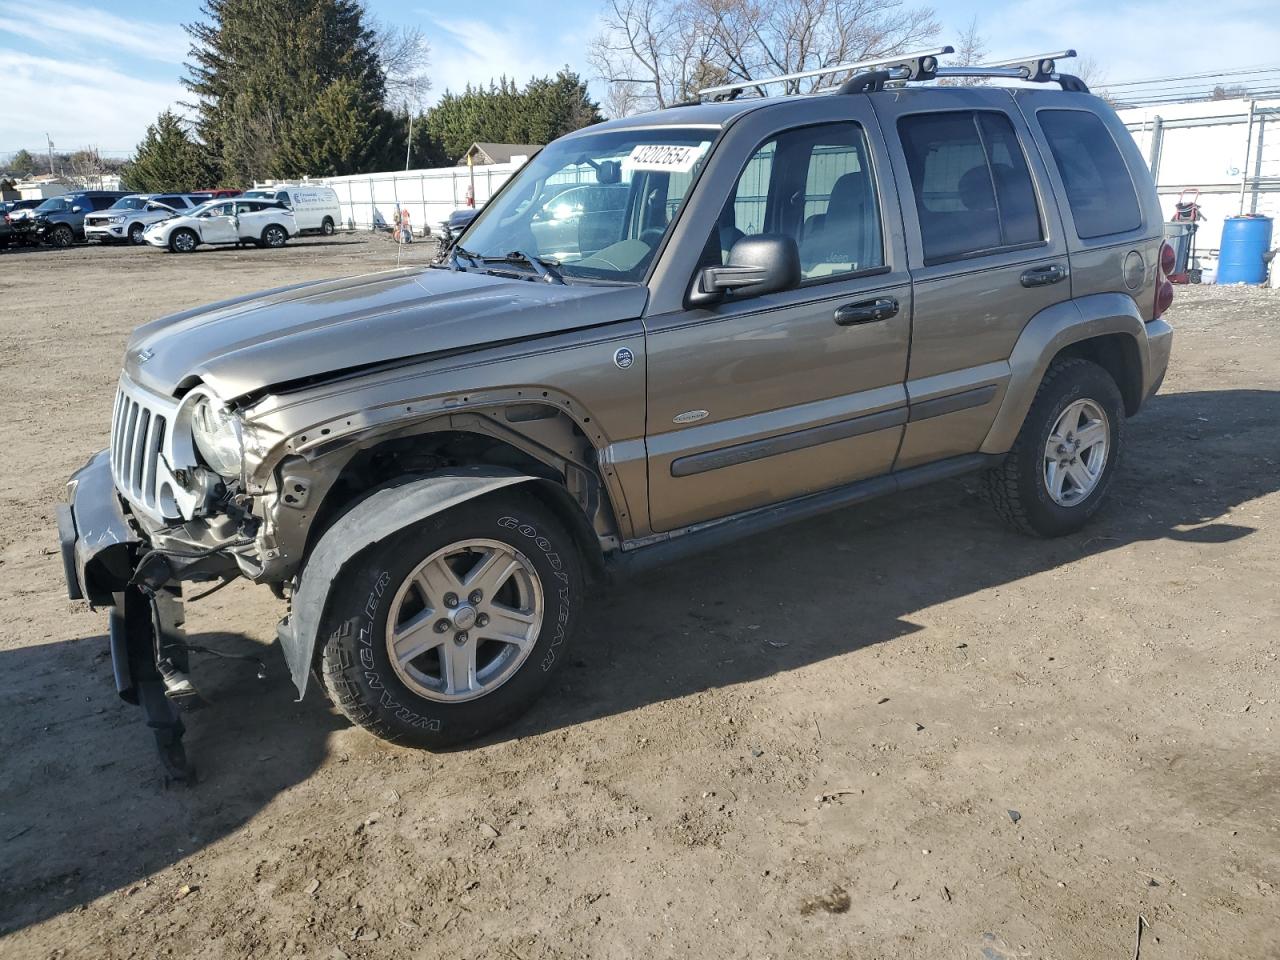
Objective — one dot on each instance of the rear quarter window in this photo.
(1099, 188)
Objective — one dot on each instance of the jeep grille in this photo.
(138, 427)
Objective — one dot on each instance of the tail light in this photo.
(1164, 288)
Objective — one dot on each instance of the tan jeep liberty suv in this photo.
(665, 332)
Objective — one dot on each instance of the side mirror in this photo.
(76, 208)
(757, 265)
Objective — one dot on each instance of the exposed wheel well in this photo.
(1117, 353)
(404, 458)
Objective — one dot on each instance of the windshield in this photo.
(130, 203)
(596, 204)
(57, 205)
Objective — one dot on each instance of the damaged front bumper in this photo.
(99, 547)
(102, 554)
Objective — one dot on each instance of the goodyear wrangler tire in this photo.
(454, 625)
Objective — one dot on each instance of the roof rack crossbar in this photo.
(1038, 68)
(905, 60)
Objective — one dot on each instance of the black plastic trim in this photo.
(785, 443)
(952, 403)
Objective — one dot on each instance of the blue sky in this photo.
(96, 72)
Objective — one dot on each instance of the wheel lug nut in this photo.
(461, 638)
(450, 599)
(475, 597)
(442, 626)
(482, 619)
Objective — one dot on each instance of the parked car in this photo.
(15, 220)
(220, 193)
(453, 225)
(314, 208)
(239, 221)
(60, 220)
(129, 216)
(805, 302)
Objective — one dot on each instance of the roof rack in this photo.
(872, 75)
(914, 66)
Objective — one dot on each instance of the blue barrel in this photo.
(1244, 241)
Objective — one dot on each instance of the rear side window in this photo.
(972, 188)
(1099, 188)
(102, 203)
(177, 203)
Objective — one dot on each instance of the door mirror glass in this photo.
(765, 263)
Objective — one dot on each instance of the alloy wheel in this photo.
(464, 620)
(1075, 455)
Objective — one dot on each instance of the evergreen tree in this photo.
(547, 108)
(23, 164)
(167, 159)
(275, 80)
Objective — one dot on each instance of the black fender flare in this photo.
(378, 516)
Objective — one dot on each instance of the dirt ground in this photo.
(896, 731)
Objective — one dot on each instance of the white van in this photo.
(314, 207)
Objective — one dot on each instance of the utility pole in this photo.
(413, 99)
(49, 141)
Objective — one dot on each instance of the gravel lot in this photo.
(897, 731)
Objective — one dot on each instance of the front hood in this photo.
(244, 345)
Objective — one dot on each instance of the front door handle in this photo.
(1044, 276)
(866, 311)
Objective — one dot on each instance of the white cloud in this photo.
(89, 27)
(476, 51)
(78, 104)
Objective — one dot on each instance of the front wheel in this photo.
(183, 241)
(274, 236)
(326, 227)
(135, 233)
(62, 236)
(1058, 473)
(454, 625)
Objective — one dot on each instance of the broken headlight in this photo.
(216, 432)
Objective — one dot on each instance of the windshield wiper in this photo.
(544, 267)
(457, 253)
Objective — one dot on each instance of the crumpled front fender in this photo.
(374, 519)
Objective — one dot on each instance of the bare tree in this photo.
(404, 55)
(653, 50)
(664, 50)
(971, 50)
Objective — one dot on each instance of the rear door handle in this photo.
(1044, 276)
(866, 311)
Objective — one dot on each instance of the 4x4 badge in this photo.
(623, 357)
(143, 355)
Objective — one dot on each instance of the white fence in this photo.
(1229, 150)
(370, 200)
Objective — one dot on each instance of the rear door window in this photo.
(972, 188)
(1099, 189)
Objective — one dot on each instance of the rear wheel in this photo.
(274, 235)
(183, 241)
(454, 625)
(135, 233)
(1058, 473)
